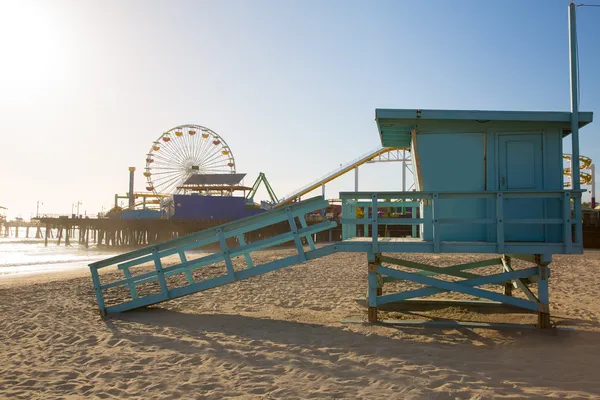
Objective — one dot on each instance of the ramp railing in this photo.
(147, 280)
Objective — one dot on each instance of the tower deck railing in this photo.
(570, 218)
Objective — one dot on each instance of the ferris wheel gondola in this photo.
(180, 153)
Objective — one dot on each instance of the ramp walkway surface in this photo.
(134, 265)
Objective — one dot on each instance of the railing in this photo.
(570, 217)
(219, 235)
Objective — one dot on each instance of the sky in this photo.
(292, 86)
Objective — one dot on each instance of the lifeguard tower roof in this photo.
(395, 125)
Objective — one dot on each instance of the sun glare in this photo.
(33, 48)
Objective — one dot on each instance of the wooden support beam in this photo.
(452, 271)
(466, 287)
(517, 283)
(67, 241)
(373, 264)
(480, 306)
(544, 308)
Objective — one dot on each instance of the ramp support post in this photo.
(375, 288)
(543, 298)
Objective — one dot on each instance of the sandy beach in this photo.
(280, 336)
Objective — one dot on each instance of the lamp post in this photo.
(78, 204)
(37, 208)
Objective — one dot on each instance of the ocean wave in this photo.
(43, 262)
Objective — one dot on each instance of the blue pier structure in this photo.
(487, 182)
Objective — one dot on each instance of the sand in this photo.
(279, 336)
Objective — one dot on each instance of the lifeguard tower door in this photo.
(520, 164)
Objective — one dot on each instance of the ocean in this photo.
(19, 256)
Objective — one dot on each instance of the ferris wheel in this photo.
(182, 152)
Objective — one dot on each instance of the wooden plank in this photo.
(500, 223)
(309, 239)
(466, 287)
(216, 257)
(520, 282)
(480, 306)
(374, 225)
(161, 277)
(188, 272)
(230, 229)
(225, 251)
(567, 225)
(429, 268)
(97, 289)
(436, 223)
(296, 237)
(442, 324)
(249, 263)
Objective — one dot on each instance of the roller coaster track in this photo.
(585, 163)
(336, 173)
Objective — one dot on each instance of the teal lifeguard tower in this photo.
(487, 182)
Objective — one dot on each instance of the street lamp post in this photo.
(37, 208)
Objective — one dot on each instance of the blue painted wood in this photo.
(500, 235)
(220, 281)
(225, 250)
(421, 115)
(216, 257)
(395, 204)
(435, 214)
(521, 159)
(458, 324)
(220, 235)
(383, 221)
(159, 272)
(98, 290)
(567, 225)
(309, 239)
(438, 151)
(372, 292)
(132, 304)
(132, 287)
(282, 238)
(457, 247)
(188, 273)
(230, 229)
(466, 287)
(490, 194)
(297, 240)
(543, 274)
(249, 263)
(374, 223)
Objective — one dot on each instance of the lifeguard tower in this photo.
(487, 182)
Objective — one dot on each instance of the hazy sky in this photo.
(87, 86)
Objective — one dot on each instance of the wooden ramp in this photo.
(133, 278)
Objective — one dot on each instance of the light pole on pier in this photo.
(37, 208)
